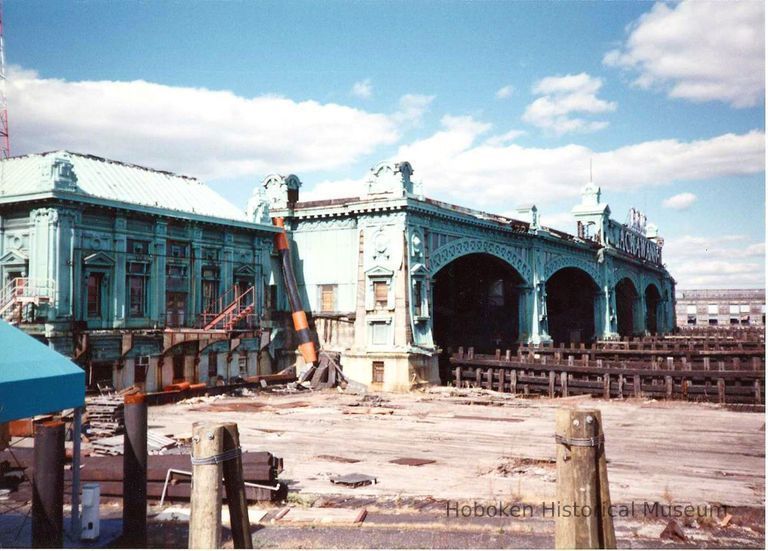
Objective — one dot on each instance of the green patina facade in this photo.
(110, 256)
(125, 269)
(370, 268)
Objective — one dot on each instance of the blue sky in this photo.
(495, 104)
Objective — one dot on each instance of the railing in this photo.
(22, 290)
(242, 306)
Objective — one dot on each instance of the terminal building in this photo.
(720, 308)
(150, 278)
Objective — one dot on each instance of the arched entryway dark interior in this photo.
(476, 304)
(652, 299)
(571, 306)
(626, 298)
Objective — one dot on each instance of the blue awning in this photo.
(35, 379)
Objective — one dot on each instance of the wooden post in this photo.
(478, 377)
(758, 396)
(606, 386)
(48, 486)
(564, 383)
(501, 380)
(205, 500)
(721, 391)
(513, 381)
(457, 376)
(668, 381)
(489, 379)
(706, 363)
(621, 386)
(135, 472)
(636, 384)
(508, 355)
(551, 384)
(582, 482)
(236, 500)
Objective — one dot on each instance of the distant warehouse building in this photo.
(720, 307)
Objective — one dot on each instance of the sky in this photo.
(496, 104)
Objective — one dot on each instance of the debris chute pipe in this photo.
(306, 346)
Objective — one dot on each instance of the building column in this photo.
(524, 307)
(606, 316)
(539, 319)
(121, 246)
(157, 283)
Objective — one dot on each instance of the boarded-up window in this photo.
(380, 333)
(327, 298)
(381, 293)
(378, 372)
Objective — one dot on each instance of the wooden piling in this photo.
(582, 482)
(135, 472)
(205, 499)
(48, 487)
(236, 500)
(564, 383)
(501, 380)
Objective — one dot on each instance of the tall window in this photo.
(140, 368)
(213, 367)
(136, 296)
(178, 368)
(381, 293)
(138, 274)
(94, 295)
(418, 299)
(210, 288)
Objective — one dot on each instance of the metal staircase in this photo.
(230, 310)
(21, 293)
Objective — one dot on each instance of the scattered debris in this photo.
(336, 459)
(354, 480)
(726, 520)
(326, 374)
(673, 531)
(411, 461)
(539, 467)
(104, 415)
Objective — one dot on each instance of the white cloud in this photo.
(204, 133)
(699, 51)
(334, 189)
(411, 108)
(362, 89)
(563, 221)
(728, 261)
(565, 96)
(505, 91)
(507, 137)
(456, 164)
(681, 201)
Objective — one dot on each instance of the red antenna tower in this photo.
(5, 140)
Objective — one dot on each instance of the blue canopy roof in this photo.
(35, 379)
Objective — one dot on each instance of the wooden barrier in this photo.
(611, 379)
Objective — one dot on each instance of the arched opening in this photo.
(626, 298)
(571, 306)
(476, 302)
(652, 300)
